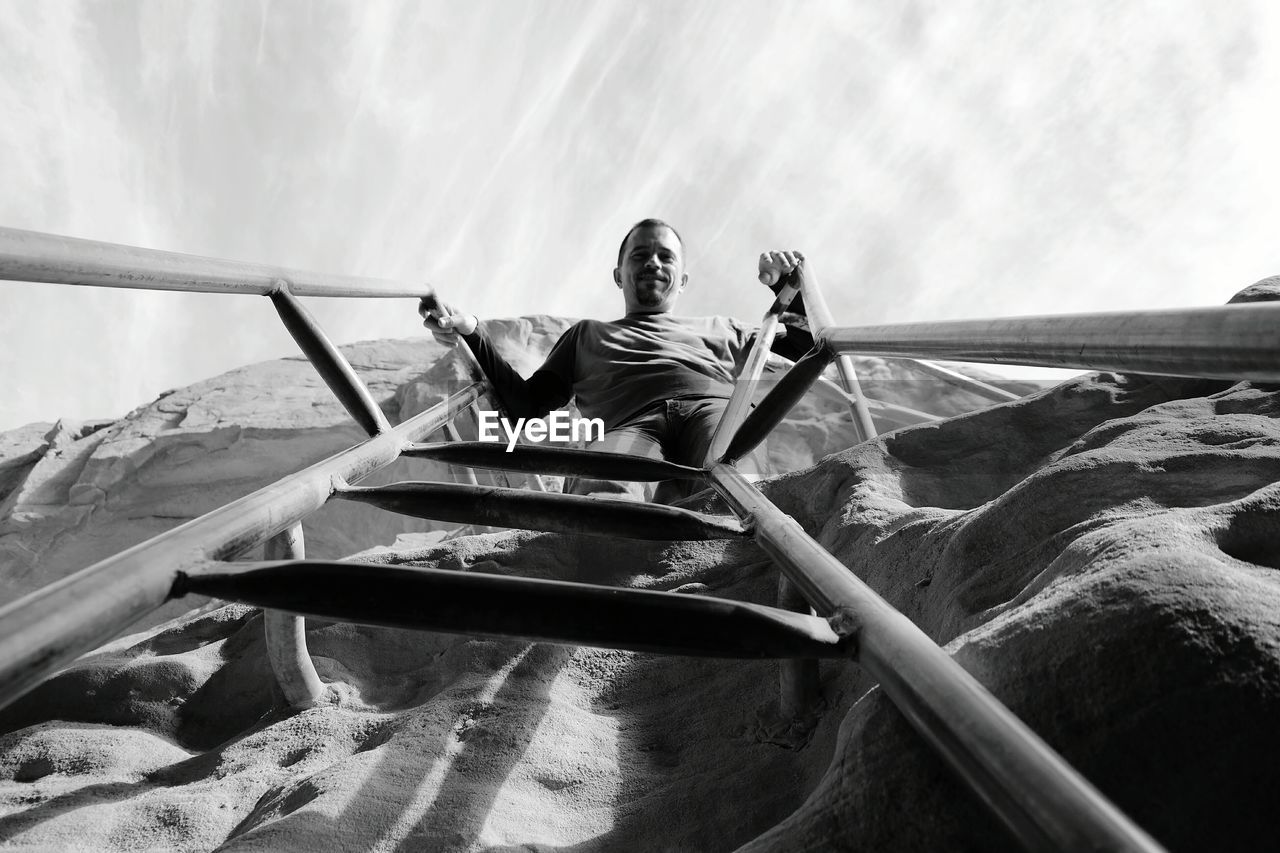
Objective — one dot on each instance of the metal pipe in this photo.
(461, 474)
(333, 368)
(543, 610)
(44, 631)
(861, 413)
(752, 369)
(461, 470)
(825, 389)
(1041, 799)
(820, 320)
(798, 680)
(286, 633)
(599, 465)
(34, 256)
(967, 383)
(1235, 342)
(538, 511)
(778, 403)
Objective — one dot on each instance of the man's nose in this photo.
(652, 261)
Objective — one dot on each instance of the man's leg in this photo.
(693, 422)
(633, 439)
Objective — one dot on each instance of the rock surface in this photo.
(1101, 555)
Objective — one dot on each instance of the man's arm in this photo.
(550, 386)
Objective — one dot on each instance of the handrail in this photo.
(48, 628)
(1236, 342)
(53, 259)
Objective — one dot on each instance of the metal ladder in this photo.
(1044, 802)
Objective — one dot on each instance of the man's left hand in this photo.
(774, 265)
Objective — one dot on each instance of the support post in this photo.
(965, 383)
(286, 633)
(798, 679)
(463, 472)
(329, 362)
(819, 321)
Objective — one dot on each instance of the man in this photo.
(658, 381)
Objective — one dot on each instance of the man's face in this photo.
(652, 271)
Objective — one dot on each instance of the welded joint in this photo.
(844, 621)
(185, 568)
(180, 587)
(748, 522)
(279, 287)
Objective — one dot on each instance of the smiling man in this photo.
(658, 381)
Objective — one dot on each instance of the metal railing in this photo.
(1045, 803)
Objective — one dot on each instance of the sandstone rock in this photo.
(20, 450)
(1101, 556)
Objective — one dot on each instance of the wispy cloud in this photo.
(934, 159)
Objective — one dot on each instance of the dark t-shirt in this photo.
(614, 369)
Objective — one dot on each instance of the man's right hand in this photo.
(444, 321)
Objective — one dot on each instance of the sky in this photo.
(933, 160)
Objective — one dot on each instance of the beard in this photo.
(651, 294)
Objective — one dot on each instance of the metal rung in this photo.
(542, 610)
(600, 465)
(553, 512)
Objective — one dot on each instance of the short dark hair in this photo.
(647, 223)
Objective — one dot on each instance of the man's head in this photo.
(650, 267)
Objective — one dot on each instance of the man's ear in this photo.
(684, 279)
(617, 276)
